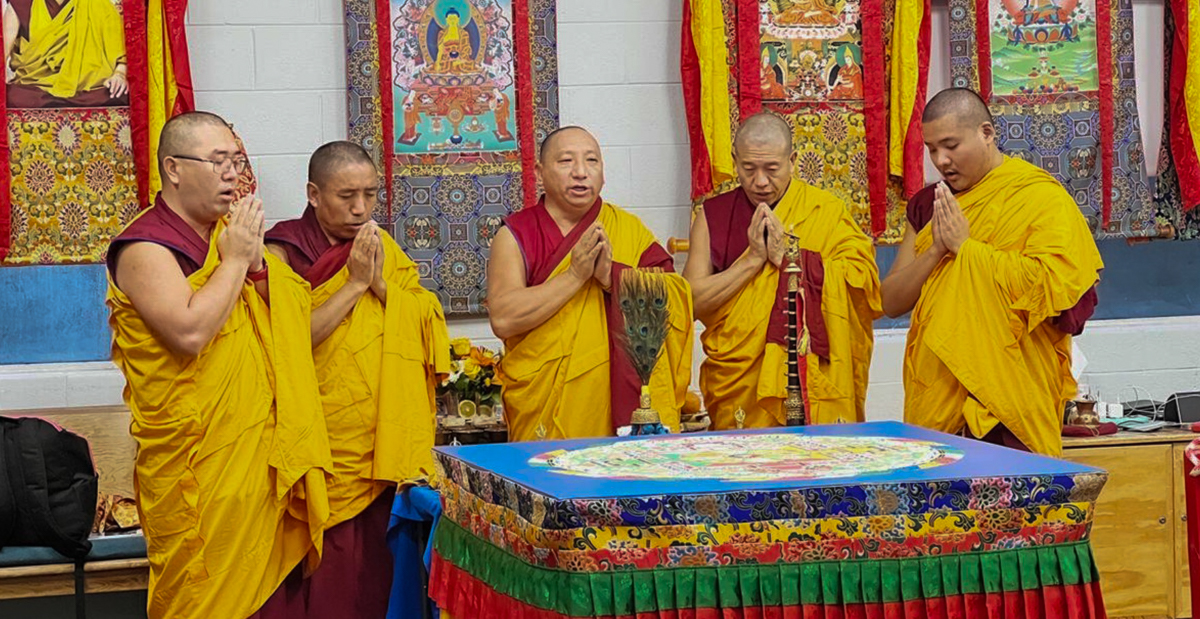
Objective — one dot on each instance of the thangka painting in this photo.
(452, 98)
(827, 67)
(1058, 76)
(72, 181)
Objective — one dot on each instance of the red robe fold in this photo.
(1072, 321)
(303, 240)
(544, 247)
(165, 227)
(728, 216)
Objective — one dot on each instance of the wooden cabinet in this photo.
(1140, 531)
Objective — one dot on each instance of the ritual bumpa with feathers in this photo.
(643, 301)
(797, 339)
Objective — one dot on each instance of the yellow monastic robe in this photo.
(377, 378)
(742, 370)
(557, 376)
(981, 351)
(74, 51)
(232, 450)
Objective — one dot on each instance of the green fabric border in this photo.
(854, 581)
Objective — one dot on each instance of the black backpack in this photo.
(48, 487)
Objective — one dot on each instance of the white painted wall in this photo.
(276, 69)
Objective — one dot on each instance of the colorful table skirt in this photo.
(868, 520)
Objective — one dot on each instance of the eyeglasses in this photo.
(220, 167)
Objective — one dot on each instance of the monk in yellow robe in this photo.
(554, 270)
(998, 268)
(212, 336)
(734, 264)
(64, 53)
(380, 341)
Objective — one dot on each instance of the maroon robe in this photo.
(165, 227)
(355, 576)
(544, 247)
(303, 240)
(33, 97)
(728, 216)
(1072, 321)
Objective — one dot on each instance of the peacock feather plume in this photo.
(643, 295)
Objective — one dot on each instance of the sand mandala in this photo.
(749, 457)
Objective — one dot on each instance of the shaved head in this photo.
(179, 132)
(764, 129)
(764, 157)
(962, 104)
(961, 137)
(553, 136)
(332, 157)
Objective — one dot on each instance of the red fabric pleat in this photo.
(875, 113)
(747, 69)
(1014, 604)
(1183, 148)
(983, 44)
(935, 608)
(522, 41)
(914, 142)
(955, 608)
(138, 74)
(1104, 35)
(689, 74)
(175, 12)
(387, 145)
(465, 596)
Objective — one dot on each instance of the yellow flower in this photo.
(471, 368)
(460, 346)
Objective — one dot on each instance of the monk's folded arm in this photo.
(513, 307)
(902, 286)
(185, 321)
(1024, 282)
(327, 316)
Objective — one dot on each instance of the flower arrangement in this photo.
(472, 383)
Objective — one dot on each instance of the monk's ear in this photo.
(170, 170)
(313, 193)
(989, 132)
(794, 157)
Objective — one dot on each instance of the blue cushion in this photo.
(103, 549)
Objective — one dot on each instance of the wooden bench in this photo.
(113, 451)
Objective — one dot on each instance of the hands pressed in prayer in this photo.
(586, 253)
(362, 264)
(765, 236)
(775, 244)
(117, 84)
(242, 240)
(603, 271)
(950, 227)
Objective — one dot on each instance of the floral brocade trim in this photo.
(795, 540)
(852, 500)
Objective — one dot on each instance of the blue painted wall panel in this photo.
(1150, 280)
(56, 314)
(53, 314)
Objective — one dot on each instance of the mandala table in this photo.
(869, 520)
